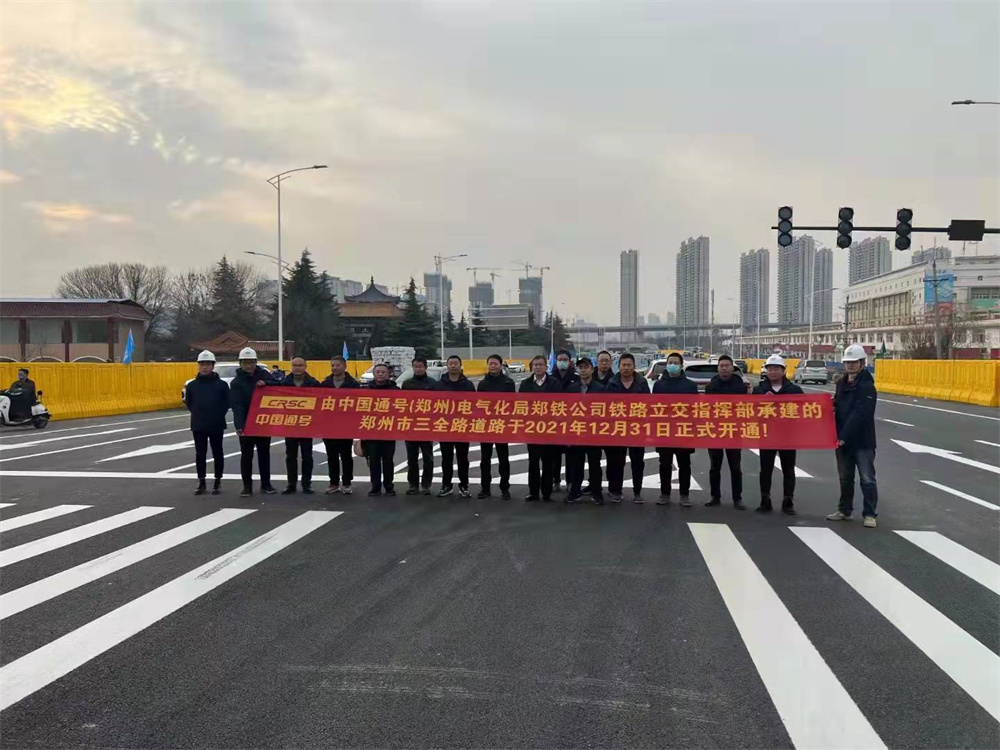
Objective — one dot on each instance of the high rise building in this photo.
(868, 258)
(795, 276)
(823, 287)
(481, 294)
(530, 294)
(671, 318)
(653, 319)
(628, 294)
(438, 288)
(692, 282)
(755, 285)
(931, 253)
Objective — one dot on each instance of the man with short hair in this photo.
(247, 378)
(774, 383)
(605, 369)
(299, 378)
(577, 455)
(495, 381)
(673, 380)
(539, 456)
(23, 395)
(380, 452)
(417, 449)
(339, 451)
(569, 382)
(726, 382)
(629, 383)
(454, 380)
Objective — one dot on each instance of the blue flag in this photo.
(346, 355)
(129, 349)
(552, 361)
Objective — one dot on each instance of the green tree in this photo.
(460, 333)
(417, 328)
(233, 305)
(312, 321)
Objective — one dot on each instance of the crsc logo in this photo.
(293, 403)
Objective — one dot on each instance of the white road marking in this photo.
(188, 466)
(882, 400)
(11, 555)
(107, 424)
(962, 495)
(777, 465)
(973, 666)
(987, 442)
(108, 475)
(815, 708)
(49, 588)
(92, 445)
(64, 437)
(27, 519)
(981, 570)
(148, 451)
(893, 421)
(22, 677)
(6, 505)
(950, 455)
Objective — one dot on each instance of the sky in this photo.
(555, 133)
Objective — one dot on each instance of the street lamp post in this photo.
(275, 182)
(439, 261)
(810, 296)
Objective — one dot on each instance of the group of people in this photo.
(209, 398)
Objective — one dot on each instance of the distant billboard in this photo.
(503, 316)
(945, 287)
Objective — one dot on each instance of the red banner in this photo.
(701, 421)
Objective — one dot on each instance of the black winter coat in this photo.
(734, 385)
(207, 398)
(639, 385)
(854, 409)
(606, 379)
(497, 384)
(389, 385)
(421, 383)
(349, 382)
(241, 393)
(788, 388)
(551, 385)
(308, 382)
(595, 386)
(462, 384)
(569, 381)
(680, 384)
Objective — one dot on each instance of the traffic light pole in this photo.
(939, 230)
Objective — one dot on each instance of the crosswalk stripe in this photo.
(973, 666)
(91, 445)
(48, 588)
(209, 462)
(6, 447)
(6, 505)
(959, 493)
(815, 708)
(21, 552)
(45, 665)
(981, 570)
(41, 515)
(800, 473)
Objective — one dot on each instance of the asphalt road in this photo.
(133, 614)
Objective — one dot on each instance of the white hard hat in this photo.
(854, 352)
(248, 353)
(206, 356)
(775, 359)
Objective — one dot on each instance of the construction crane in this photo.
(526, 266)
(482, 268)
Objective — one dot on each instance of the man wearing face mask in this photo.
(726, 382)
(675, 381)
(539, 456)
(495, 382)
(631, 384)
(569, 382)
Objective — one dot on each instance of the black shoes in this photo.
(464, 492)
(247, 491)
(413, 491)
(374, 492)
(201, 487)
(390, 491)
(713, 503)
(289, 490)
(308, 490)
(531, 499)
(268, 490)
(483, 494)
(217, 487)
(738, 504)
(505, 494)
(764, 508)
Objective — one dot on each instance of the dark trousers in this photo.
(415, 450)
(556, 458)
(486, 465)
(787, 458)
(734, 457)
(380, 465)
(540, 465)
(578, 457)
(293, 447)
(448, 453)
(201, 442)
(263, 446)
(862, 459)
(667, 456)
(616, 468)
(340, 458)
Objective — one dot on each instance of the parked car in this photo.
(703, 372)
(812, 371)
(516, 367)
(434, 373)
(226, 370)
(742, 365)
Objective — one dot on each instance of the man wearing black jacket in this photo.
(299, 378)
(249, 377)
(727, 381)
(381, 452)
(207, 398)
(539, 456)
(417, 449)
(454, 380)
(577, 455)
(774, 383)
(854, 410)
(605, 370)
(495, 382)
(673, 380)
(569, 382)
(626, 382)
(339, 451)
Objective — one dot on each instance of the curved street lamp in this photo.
(970, 101)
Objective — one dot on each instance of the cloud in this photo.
(9, 178)
(65, 217)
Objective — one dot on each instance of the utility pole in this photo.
(711, 329)
(937, 314)
(847, 318)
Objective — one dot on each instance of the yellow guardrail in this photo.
(965, 381)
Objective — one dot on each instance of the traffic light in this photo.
(785, 226)
(904, 227)
(845, 226)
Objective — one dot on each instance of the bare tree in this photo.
(150, 286)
